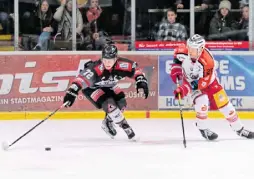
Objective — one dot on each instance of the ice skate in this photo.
(245, 133)
(128, 130)
(208, 134)
(108, 127)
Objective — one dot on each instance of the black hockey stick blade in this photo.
(6, 146)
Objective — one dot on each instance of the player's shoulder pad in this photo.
(125, 64)
(206, 58)
(182, 49)
(87, 65)
(181, 53)
(94, 66)
(208, 52)
(121, 59)
(97, 67)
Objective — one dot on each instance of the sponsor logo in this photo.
(51, 81)
(124, 65)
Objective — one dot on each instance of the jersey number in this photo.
(88, 74)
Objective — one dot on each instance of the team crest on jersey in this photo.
(124, 65)
(109, 82)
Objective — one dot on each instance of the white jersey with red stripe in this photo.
(94, 75)
(202, 69)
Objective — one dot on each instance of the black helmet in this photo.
(109, 51)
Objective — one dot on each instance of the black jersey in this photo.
(94, 75)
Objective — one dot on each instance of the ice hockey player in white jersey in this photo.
(195, 66)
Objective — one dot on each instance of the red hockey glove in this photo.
(176, 72)
(183, 90)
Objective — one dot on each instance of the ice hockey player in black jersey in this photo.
(98, 82)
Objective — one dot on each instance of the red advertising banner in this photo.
(212, 45)
(39, 82)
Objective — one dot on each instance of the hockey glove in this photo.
(176, 72)
(71, 94)
(141, 82)
(183, 90)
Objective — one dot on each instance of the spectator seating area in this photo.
(47, 24)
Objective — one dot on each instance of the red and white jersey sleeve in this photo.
(180, 54)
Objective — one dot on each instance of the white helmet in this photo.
(196, 41)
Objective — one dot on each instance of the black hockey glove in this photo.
(141, 82)
(71, 94)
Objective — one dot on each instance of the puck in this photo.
(48, 149)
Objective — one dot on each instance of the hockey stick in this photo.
(181, 114)
(6, 146)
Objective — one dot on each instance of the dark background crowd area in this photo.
(46, 24)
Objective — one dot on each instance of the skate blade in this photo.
(111, 136)
(134, 139)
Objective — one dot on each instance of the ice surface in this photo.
(80, 150)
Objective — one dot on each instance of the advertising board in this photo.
(39, 82)
(235, 74)
(211, 45)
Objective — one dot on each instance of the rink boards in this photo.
(88, 115)
(32, 84)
